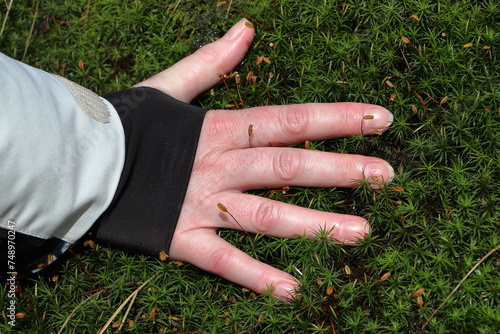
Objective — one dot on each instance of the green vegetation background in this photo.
(430, 226)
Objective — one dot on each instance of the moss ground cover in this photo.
(434, 64)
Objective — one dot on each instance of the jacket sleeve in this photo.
(161, 139)
(67, 167)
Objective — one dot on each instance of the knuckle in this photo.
(267, 215)
(220, 261)
(263, 281)
(286, 164)
(294, 121)
(220, 128)
(207, 54)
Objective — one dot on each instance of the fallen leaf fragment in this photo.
(418, 292)
(163, 256)
(347, 269)
(152, 314)
(420, 301)
(385, 276)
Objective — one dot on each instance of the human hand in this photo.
(227, 164)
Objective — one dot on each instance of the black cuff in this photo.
(161, 137)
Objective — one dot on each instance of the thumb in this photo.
(200, 71)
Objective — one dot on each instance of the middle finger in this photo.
(261, 167)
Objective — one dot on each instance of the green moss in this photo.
(444, 145)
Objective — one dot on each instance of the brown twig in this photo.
(222, 3)
(86, 271)
(47, 16)
(223, 77)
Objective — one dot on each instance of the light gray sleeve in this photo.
(62, 151)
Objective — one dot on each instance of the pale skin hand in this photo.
(226, 165)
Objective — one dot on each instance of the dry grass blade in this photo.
(31, 32)
(9, 5)
(127, 312)
(228, 8)
(170, 17)
(75, 309)
(459, 284)
(132, 295)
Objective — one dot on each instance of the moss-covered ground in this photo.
(435, 64)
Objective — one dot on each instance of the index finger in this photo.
(290, 124)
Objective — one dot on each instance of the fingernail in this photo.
(378, 172)
(286, 291)
(377, 119)
(354, 230)
(237, 29)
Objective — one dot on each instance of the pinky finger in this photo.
(204, 249)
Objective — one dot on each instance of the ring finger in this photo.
(264, 216)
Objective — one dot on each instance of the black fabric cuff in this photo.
(161, 137)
